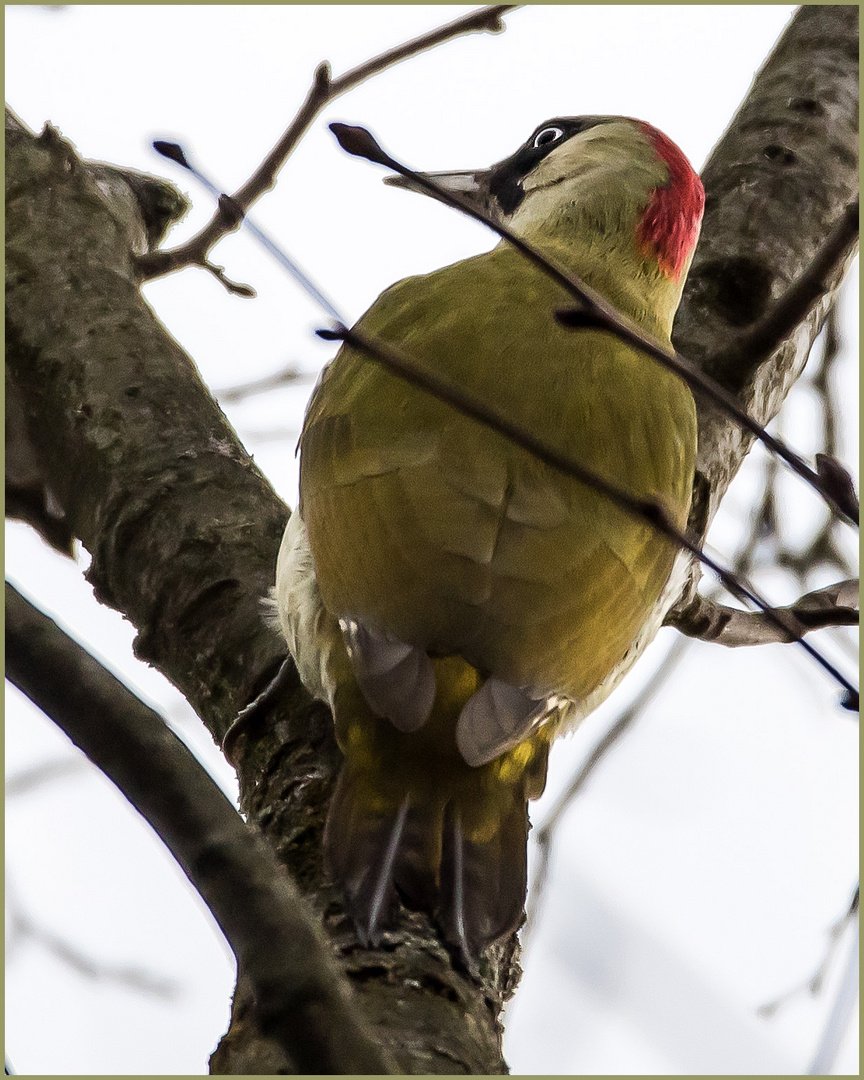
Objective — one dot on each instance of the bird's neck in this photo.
(592, 225)
(614, 265)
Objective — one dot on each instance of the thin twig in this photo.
(598, 312)
(821, 381)
(26, 780)
(21, 929)
(824, 550)
(300, 998)
(324, 89)
(841, 1012)
(816, 980)
(705, 619)
(236, 288)
(285, 377)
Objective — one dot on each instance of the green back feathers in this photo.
(443, 533)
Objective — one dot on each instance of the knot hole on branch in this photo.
(781, 154)
(808, 106)
(739, 288)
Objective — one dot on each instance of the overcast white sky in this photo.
(697, 876)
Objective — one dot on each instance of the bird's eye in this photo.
(546, 136)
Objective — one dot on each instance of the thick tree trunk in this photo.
(184, 530)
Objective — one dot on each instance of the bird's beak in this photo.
(472, 187)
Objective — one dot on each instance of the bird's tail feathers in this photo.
(409, 823)
(483, 874)
(380, 846)
(361, 848)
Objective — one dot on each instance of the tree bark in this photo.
(782, 174)
(183, 529)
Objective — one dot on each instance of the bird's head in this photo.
(599, 177)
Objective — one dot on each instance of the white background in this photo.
(697, 876)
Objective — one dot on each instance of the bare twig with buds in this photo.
(324, 89)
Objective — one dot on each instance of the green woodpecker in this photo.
(453, 599)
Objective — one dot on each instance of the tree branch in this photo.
(835, 605)
(28, 495)
(766, 216)
(300, 999)
(182, 527)
(149, 205)
(322, 92)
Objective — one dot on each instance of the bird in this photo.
(457, 602)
